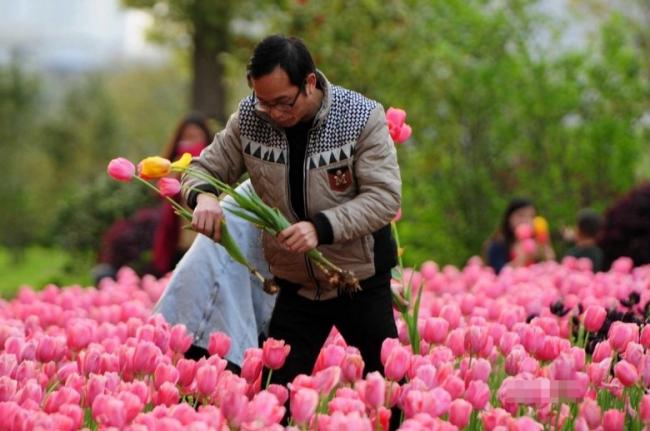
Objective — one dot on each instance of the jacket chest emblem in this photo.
(339, 178)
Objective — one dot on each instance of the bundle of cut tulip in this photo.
(253, 209)
(122, 169)
(249, 207)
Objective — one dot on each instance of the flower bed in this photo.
(548, 346)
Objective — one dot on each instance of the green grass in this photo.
(38, 266)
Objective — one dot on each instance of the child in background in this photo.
(589, 223)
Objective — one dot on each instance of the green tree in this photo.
(497, 108)
(19, 99)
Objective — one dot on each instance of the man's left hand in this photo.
(300, 237)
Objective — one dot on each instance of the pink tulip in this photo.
(475, 339)
(602, 351)
(478, 394)
(397, 364)
(644, 338)
(330, 355)
(132, 404)
(145, 357)
(404, 133)
(594, 318)
(375, 390)
(644, 409)
(451, 313)
(165, 373)
(169, 187)
(75, 413)
(634, 354)
(186, 371)
(620, 334)
(590, 411)
(109, 411)
(454, 385)
(395, 116)
(303, 405)
(645, 370)
(280, 392)
(435, 330)
(626, 373)
(96, 385)
(274, 353)
(429, 269)
(167, 394)
(623, 265)
(179, 340)
(459, 413)
(206, 379)
(456, 342)
(234, 407)
(8, 388)
(352, 367)
(251, 368)
(398, 129)
(50, 349)
(613, 420)
(121, 169)
(219, 344)
(326, 380)
(480, 370)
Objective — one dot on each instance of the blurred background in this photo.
(548, 99)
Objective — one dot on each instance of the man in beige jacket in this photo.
(323, 156)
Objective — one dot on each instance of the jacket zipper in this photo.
(310, 270)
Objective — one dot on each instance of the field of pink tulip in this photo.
(549, 346)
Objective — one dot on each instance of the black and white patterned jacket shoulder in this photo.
(333, 141)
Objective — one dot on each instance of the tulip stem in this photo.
(268, 378)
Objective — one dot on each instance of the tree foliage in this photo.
(496, 111)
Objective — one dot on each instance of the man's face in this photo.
(285, 103)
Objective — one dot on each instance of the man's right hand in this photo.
(207, 215)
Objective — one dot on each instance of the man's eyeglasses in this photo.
(279, 106)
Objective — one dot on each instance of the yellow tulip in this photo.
(540, 226)
(154, 167)
(183, 162)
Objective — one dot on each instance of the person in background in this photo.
(626, 228)
(509, 245)
(152, 240)
(170, 239)
(589, 224)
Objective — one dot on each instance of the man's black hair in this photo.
(589, 222)
(290, 53)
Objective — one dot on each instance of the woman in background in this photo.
(170, 240)
(505, 248)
